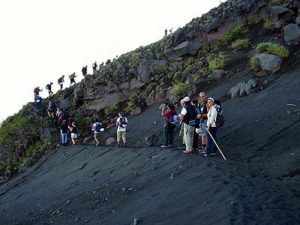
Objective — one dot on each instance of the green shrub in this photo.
(233, 34)
(240, 44)
(177, 77)
(130, 106)
(217, 61)
(180, 89)
(274, 49)
(268, 25)
(254, 63)
(276, 2)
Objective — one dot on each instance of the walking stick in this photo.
(216, 145)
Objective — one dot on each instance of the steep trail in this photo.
(258, 183)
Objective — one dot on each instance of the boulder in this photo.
(277, 12)
(292, 34)
(45, 135)
(269, 62)
(136, 111)
(184, 48)
(235, 91)
(218, 74)
(106, 101)
(135, 84)
(149, 66)
(242, 89)
(78, 95)
(298, 20)
(249, 85)
(64, 104)
(110, 141)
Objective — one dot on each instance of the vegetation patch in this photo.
(254, 63)
(240, 44)
(274, 49)
(216, 61)
(268, 25)
(233, 34)
(180, 89)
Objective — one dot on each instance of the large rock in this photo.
(135, 84)
(106, 101)
(110, 141)
(292, 34)
(277, 12)
(78, 95)
(184, 48)
(268, 62)
(147, 67)
(64, 104)
(45, 135)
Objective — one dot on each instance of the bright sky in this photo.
(43, 39)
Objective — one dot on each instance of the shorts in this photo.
(74, 136)
(203, 131)
(96, 135)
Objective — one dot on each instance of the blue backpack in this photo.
(98, 127)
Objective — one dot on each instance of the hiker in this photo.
(97, 128)
(61, 81)
(58, 113)
(64, 133)
(211, 125)
(95, 67)
(203, 120)
(166, 32)
(74, 132)
(72, 78)
(195, 103)
(121, 131)
(84, 71)
(64, 115)
(38, 104)
(188, 116)
(49, 88)
(37, 90)
(168, 111)
(51, 108)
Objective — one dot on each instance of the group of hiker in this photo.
(198, 118)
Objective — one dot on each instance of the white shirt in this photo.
(123, 127)
(212, 117)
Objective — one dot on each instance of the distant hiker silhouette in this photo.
(72, 78)
(61, 81)
(95, 67)
(84, 71)
(49, 88)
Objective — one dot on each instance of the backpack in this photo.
(191, 116)
(173, 119)
(220, 117)
(98, 127)
(47, 87)
(123, 122)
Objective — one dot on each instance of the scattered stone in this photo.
(292, 34)
(277, 12)
(293, 105)
(218, 74)
(269, 62)
(135, 221)
(110, 141)
(172, 176)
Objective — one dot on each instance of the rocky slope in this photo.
(245, 53)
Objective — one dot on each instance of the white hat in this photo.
(211, 99)
(186, 99)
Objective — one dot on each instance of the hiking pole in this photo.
(216, 145)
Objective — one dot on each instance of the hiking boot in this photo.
(163, 146)
(187, 152)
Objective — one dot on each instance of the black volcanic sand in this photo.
(258, 184)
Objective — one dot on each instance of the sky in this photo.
(43, 39)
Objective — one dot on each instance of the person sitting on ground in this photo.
(188, 116)
(168, 111)
(121, 131)
(74, 132)
(61, 81)
(97, 128)
(64, 133)
(203, 121)
(95, 67)
(51, 109)
(72, 78)
(211, 125)
(49, 88)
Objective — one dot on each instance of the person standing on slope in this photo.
(97, 129)
(121, 131)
